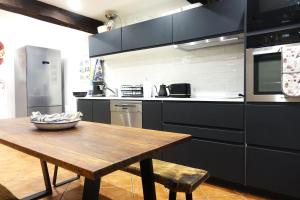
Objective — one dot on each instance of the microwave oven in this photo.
(268, 14)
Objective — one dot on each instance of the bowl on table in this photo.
(55, 121)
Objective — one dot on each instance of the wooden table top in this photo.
(91, 149)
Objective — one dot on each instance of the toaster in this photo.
(180, 90)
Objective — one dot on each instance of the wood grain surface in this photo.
(91, 149)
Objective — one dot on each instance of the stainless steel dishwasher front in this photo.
(126, 113)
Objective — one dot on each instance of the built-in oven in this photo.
(264, 68)
(265, 14)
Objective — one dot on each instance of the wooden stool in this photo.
(5, 194)
(177, 178)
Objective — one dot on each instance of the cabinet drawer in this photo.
(207, 133)
(273, 125)
(155, 32)
(220, 115)
(275, 171)
(221, 160)
(105, 43)
(86, 108)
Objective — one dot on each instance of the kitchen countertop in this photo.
(218, 99)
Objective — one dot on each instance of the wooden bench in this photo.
(5, 194)
(177, 178)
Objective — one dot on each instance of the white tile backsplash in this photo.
(214, 71)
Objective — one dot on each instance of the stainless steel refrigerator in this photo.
(38, 81)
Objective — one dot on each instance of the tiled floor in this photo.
(22, 175)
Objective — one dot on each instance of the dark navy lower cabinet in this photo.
(101, 111)
(222, 17)
(273, 125)
(94, 110)
(222, 160)
(151, 33)
(85, 106)
(273, 170)
(105, 43)
(152, 115)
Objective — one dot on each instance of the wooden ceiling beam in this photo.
(203, 2)
(52, 14)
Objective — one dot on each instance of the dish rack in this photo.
(132, 90)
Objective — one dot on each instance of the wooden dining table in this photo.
(91, 150)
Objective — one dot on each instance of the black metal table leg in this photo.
(91, 189)
(172, 195)
(54, 181)
(148, 179)
(47, 182)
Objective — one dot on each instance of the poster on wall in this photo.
(2, 53)
(85, 70)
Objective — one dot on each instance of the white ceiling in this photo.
(96, 8)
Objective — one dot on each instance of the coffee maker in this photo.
(98, 88)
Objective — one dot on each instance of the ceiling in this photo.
(96, 8)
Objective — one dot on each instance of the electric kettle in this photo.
(162, 91)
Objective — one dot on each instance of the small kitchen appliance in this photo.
(98, 88)
(162, 91)
(180, 90)
(132, 90)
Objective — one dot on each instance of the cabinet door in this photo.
(218, 18)
(147, 34)
(101, 111)
(86, 107)
(275, 125)
(214, 115)
(152, 115)
(221, 160)
(276, 171)
(105, 43)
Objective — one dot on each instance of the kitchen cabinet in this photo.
(101, 111)
(219, 18)
(85, 106)
(273, 170)
(207, 114)
(152, 115)
(221, 160)
(105, 43)
(273, 125)
(151, 33)
(94, 110)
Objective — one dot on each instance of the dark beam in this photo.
(204, 2)
(52, 14)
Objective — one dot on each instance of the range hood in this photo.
(219, 41)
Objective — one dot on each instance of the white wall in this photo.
(17, 31)
(214, 71)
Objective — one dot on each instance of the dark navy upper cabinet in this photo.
(155, 32)
(223, 17)
(105, 43)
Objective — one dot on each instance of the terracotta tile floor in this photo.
(22, 175)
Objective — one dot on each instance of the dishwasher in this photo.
(126, 113)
